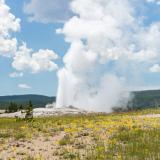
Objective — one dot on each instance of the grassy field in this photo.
(118, 136)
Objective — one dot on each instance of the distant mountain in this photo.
(37, 100)
(144, 99)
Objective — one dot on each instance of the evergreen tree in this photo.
(12, 107)
(21, 107)
(29, 110)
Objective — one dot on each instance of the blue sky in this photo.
(39, 23)
(36, 35)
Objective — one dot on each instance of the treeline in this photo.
(14, 107)
(38, 101)
(145, 99)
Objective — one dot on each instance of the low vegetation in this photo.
(28, 109)
(118, 136)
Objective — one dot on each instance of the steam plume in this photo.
(108, 42)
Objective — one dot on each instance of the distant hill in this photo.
(37, 100)
(143, 99)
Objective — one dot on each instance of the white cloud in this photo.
(155, 68)
(8, 24)
(27, 60)
(8, 47)
(24, 59)
(48, 11)
(102, 24)
(24, 86)
(16, 74)
(111, 31)
(154, 1)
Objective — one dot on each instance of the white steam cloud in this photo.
(109, 48)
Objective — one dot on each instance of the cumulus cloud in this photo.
(8, 24)
(24, 59)
(24, 86)
(8, 47)
(155, 68)
(48, 11)
(27, 60)
(16, 74)
(154, 1)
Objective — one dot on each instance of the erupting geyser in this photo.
(67, 85)
(109, 47)
(84, 81)
(77, 92)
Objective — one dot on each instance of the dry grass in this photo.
(123, 136)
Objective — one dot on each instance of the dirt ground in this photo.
(70, 137)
